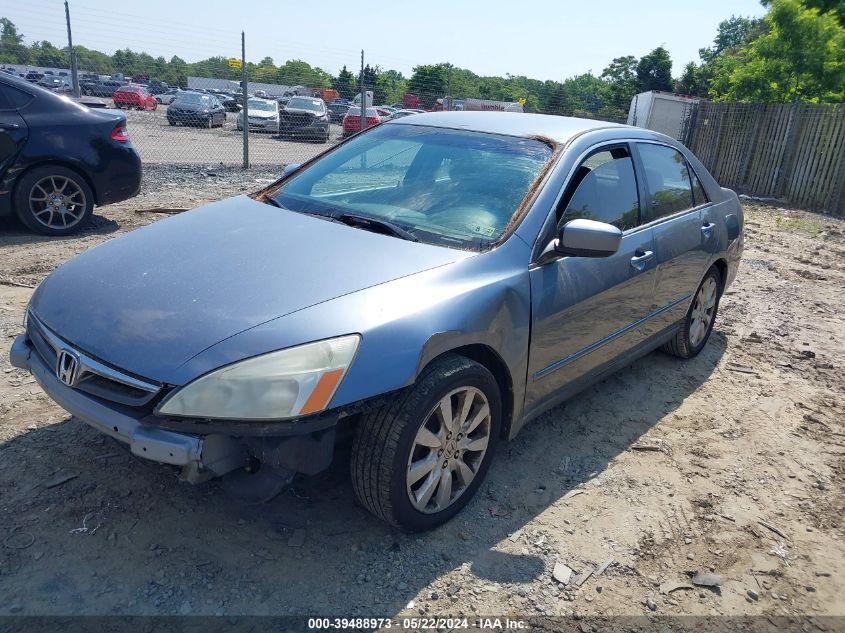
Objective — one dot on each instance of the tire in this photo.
(77, 206)
(385, 446)
(155, 105)
(689, 340)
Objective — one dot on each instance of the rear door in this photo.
(13, 129)
(677, 207)
(587, 311)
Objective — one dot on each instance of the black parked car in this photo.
(100, 89)
(229, 103)
(337, 111)
(58, 158)
(196, 109)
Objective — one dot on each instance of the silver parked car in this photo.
(422, 290)
(263, 115)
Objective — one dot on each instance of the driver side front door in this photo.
(587, 311)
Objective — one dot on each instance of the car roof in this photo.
(557, 128)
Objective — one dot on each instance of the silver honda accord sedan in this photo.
(420, 291)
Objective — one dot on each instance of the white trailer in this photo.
(662, 112)
(480, 105)
(357, 100)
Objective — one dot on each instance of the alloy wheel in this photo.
(448, 450)
(703, 310)
(57, 202)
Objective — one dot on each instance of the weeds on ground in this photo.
(799, 225)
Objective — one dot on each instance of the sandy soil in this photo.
(731, 463)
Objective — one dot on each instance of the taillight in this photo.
(373, 120)
(120, 133)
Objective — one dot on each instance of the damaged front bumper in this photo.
(202, 449)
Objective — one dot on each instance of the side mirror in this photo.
(585, 238)
(289, 169)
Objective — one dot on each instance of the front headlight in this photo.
(284, 384)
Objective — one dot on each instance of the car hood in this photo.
(151, 300)
(262, 114)
(288, 110)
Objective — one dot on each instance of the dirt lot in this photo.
(731, 463)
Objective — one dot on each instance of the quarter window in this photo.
(668, 179)
(698, 194)
(604, 189)
(12, 98)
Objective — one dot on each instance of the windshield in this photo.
(193, 98)
(305, 103)
(260, 104)
(449, 187)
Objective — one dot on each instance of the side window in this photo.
(12, 99)
(698, 193)
(604, 188)
(668, 179)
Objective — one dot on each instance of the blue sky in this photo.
(543, 39)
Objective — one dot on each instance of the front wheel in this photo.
(420, 458)
(691, 338)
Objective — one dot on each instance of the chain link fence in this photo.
(182, 111)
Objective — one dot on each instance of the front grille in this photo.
(93, 376)
(298, 119)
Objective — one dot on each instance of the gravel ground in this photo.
(730, 464)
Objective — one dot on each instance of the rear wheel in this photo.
(419, 459)
(53, 200)
(690, 339)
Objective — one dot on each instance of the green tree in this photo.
(12, 48)
(45, 54)
(691, 81)
(344, 83)
(621, 78)
(429, 83)
(654, 71)
(389, 87)
(800, 57)
(837, 7)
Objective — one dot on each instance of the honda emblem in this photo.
(67, 367)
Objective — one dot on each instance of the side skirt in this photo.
(603, 371)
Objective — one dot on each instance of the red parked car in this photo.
(352, 120)
(134, 97)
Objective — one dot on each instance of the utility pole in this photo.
(245, 100)
(449, 66)
(363, 89)
(74, 72)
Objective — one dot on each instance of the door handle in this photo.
(707, 229)
(641, 258)
(9, 126)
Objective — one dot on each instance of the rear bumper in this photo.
(121, 178)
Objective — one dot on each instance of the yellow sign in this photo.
(234, 62)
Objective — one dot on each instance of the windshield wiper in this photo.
(367, 223)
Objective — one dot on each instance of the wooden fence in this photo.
(794, 152)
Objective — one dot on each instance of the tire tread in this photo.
(377, 440)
